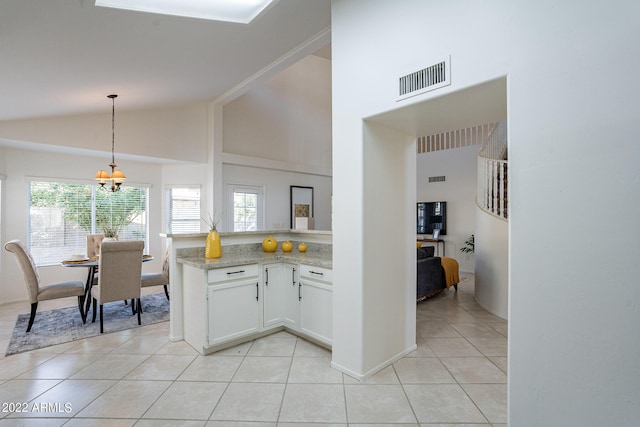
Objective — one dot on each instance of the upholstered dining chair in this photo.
(37, 292)
(158, 278)
(93, 250)
(119, 272)
(93, 244)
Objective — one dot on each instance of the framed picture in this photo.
(301, 202)
(436, 234)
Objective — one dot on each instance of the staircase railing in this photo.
(492, 173)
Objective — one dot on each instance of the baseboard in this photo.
(376, 369)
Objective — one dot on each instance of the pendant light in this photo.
(117, 177)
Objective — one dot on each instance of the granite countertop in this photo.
(315, 258)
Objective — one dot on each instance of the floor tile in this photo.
(263, 369)
(126, 399)
(273, 346)
(445, 403)
(240, 424)
(476, 370)
(17, 364)
(385, 376)
(250, 402)
(452, 347)
(305, 348)
(378, 404)
(313, 403)
(160, 367)
(67, 398)
(491, 399)
(20, 391)
(110, 367)
(422, 371)
(500, 362)
(457, 342)
(142, 344)
(490, 346)
(170, 423)
(187, 400)
(211, 368)
(314, 370)
(476, 330)
(97, 422)
(61, 366)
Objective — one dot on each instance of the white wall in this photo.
(278, 134)
(276, 193)
(459, 166)
(177, 134)
(287, 118)
(492, 269)
(572, 148)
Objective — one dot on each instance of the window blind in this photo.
(183, 209)
(62, 214)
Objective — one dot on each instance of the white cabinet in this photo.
(281, 304)
(225, 306)
(316, 303)
(221, 305)
(273, 294)
(291, 297)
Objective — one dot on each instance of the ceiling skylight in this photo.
(240, 11)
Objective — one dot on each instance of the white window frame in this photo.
(81, 247)
(244, 188)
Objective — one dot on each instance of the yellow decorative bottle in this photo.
(213, 246)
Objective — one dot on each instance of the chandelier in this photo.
(117, 176)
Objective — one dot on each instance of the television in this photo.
(431, 216)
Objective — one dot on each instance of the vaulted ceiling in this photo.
(64, 57)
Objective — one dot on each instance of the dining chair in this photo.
(158, 278)
(93, 244)
(93, 250)
(37, 292)
(119, 275)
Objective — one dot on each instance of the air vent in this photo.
(427, 79)
(436, 178)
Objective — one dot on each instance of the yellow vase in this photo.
(213, 246)
(302, 247)
(287, 246)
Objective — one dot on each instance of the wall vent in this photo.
(436, 178)
(427, 79)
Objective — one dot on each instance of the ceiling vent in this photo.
(436, 178)
(427, 79)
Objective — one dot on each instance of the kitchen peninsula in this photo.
(248, 293)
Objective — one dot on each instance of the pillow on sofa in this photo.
(426, 252)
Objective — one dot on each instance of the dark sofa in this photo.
(430, 274)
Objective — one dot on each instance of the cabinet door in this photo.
(234, 310)
(291, 297)
(273, 290)
(316, 310)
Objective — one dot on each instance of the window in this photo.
(183, 210)
(247, 207)
(62, 214)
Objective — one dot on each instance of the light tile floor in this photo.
(456, 377)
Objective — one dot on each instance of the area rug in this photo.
(64, 324)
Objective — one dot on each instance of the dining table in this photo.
(92, 265)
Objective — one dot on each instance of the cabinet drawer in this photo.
(232, 273)
(316, 273)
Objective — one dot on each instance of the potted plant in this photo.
(213, 246)
(469, 245)
(113, 224)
